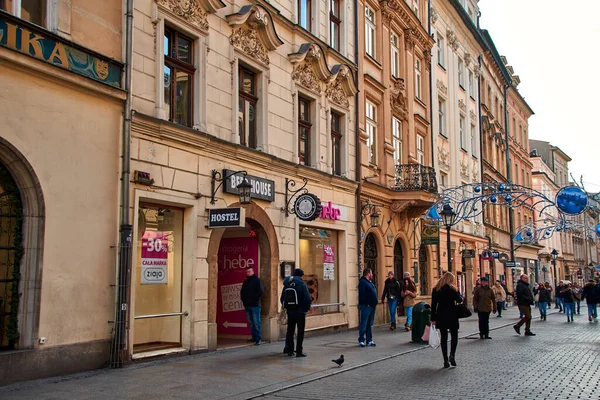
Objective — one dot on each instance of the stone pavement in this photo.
(561, 362)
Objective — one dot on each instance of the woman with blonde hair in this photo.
(444, 299)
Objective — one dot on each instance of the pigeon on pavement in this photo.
(339, 361)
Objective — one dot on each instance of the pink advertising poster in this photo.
(155, 258)
(328, 263)
(235, 255)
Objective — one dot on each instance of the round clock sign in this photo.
(307, 207)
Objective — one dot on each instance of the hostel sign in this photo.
(31, 40)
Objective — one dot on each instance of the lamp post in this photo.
(448, 218)
(554, 255)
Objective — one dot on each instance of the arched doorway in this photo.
(370, 255)
(398, 260)
(423, 271)
(11, 251)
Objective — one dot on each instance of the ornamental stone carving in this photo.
(475, 171)
(305, 76)
(434, 15)
(247, 41)
(443, 158)
(188, 10)
(398, 99)
(476, 71)
(462, 105)
(464, 169)
(335, 93)
(452, 39)
(468, 59)
(409, 38)
(441, 87)
(473, 115)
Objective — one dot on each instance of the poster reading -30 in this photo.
(155, 258)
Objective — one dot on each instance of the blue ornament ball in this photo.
(508, 198)
(501, 187)
(529, 233)
(477, 189)
(493, 199)
(474, 208)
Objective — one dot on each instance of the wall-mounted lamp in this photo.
(244, 188)
(370, 208)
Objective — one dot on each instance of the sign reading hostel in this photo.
(43, 45)
(262, 189)
(226, 217)
(155, 258)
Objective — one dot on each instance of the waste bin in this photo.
(421, 315)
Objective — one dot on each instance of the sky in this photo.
(553, 46)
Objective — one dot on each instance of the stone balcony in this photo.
(415, 177)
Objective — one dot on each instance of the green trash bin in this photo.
(421, 317)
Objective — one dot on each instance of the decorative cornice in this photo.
(247, 41)
(452, 39)
(462, 105)
(476, 71)
(398, 99)
(473, 115)
(313, 54)
(468, 59)
(190, 10)
(257, 17)
(305, 76)
(336, 94)
(399, 10)
(409, 39)
(342, 78)
(441, 87)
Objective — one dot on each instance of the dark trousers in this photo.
(484, 323)
(526, 310)
(499, 307)
(295, 318)
(444, 342)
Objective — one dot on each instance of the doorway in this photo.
(398, 261)
(370, 257)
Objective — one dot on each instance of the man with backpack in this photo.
(296, 299)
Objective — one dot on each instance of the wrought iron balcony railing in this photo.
(415, 177)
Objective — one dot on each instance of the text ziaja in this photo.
(233, 216)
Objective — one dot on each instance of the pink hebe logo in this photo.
(330, 212)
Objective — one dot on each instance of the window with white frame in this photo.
(462, 133)
(371, 127)
(461, 73)
(305, 14)
(441, 116)
(33, 11)
(473, 141)
(418, 83)
(471, 84)
(335, 23)
(444, 179)
(415, 8)
(397, 139)
(420, 149)
(370, 31)
(441, 50)
(395, 56)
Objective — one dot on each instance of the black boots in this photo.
(392, 326)
(452, 360)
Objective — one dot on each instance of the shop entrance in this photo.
(158, 279)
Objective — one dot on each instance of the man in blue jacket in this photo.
(297, 301)
(367, 303)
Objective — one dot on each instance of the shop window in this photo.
(33, 11)
(247, 106)
(336, 143)
(178, 77)
(304, 130)
(335, 21)
(319, 258)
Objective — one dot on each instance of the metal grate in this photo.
(415, 177)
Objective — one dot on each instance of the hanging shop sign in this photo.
(226, 217)
(469, 253)
(263, 189)
(27, 38)
(155, 258)
(307, 207)
(430, 234)
(503, 258)
(486, 255)
(328, 211)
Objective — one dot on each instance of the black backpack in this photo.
(290, 297)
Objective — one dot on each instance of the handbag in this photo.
(462, 311)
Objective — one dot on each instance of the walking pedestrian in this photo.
(558, 297)
(577, 292)
(367, 303)
(484, 302)
(297, 301)
(503, 284)
(409, 293)
(549, 289)
(444, 298)
(391, 292)
(568, 300)
(500, 296)
(590, 298)
(543, 300)
(524, 301)
(250, 294)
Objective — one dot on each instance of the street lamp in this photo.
(554, 255)
(448, 218)
(245, 191)
(369, 208)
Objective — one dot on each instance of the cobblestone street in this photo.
(561, 362)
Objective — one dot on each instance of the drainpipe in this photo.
(119, 352)
(357, 158)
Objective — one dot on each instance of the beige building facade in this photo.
(61, 101)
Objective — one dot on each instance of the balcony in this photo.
(415, 177)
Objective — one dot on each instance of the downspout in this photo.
(119, 348)
(357, 158)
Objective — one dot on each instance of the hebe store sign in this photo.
(329, 211)
(155, 258)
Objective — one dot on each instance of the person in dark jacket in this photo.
(524, 301)
(250, 294)
(484, 302)
(444, 298)
(296, 313)
(591, 300)
(391, 292)
(558, 297)
(568, 300)
(543, 300)
(367, 303)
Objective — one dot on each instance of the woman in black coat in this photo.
(444, 299)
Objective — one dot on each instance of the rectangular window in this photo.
(441, 116)
(178, 77)
(420, 149)
(520, 133)
(471, 84)
(462, 133)
(335, 22)
(418, 78)
(395, 55)
(397, 138)
(305, 13)
(514, 133)
(441, 50)
(336, 143)
(304, 130)
(371, 114)
(370, 32)
(473, 141)
(415, 8)
(248, 104)
(33, 11)
(461, 73)
(444, 179)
